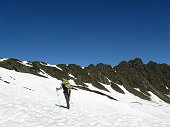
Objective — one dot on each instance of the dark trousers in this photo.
(67, 97)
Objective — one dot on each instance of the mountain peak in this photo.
(136, 61)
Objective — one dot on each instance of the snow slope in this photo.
(27, 100)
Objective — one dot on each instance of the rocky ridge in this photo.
(135, 76)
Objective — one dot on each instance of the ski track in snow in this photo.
(20, 107)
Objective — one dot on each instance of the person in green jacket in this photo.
(66, 90)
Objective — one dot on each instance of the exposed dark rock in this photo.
(97, 74)
(147, 77)
(87, 89)
(132, 74)
(79, 73)
(117, 88)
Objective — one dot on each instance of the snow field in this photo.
(32, 101)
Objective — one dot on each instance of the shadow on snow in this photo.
(61, 106)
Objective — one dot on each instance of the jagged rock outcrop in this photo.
(146, 77)
(135, 76)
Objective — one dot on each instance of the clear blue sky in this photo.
(85, 31)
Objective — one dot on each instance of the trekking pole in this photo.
(58, 96)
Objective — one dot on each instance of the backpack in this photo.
(67, 84)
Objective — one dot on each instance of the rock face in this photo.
(135, 76)
(150, 77)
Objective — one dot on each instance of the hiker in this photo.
(66, 90)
